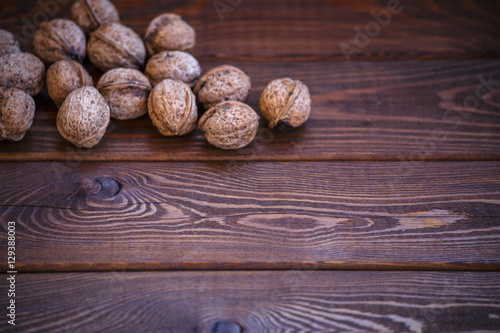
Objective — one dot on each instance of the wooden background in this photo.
(381, 214)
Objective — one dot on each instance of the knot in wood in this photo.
(226, 326)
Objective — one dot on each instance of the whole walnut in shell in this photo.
(126, 90)
(17, 110)
(229, 125)
(91, 14)
(223, 83)
(23, 71)
(174, 65)
(66, 76)
(286, 104)
(169, 32)
(114, 45)
(8, 43)
(83, 117)
(59, 39)
(172, 108)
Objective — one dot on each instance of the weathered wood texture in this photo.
(379, 215)
(290, 301)
(362, 111)
(303, 30)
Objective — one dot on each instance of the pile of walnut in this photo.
(170, 89)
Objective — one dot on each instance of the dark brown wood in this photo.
(409, 111)
(304, 30)
(380, 215)
(291, 301)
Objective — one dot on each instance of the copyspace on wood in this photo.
(289, 301)
(410, 111)
(389, 215)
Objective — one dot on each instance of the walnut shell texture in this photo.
(83, 117)
(169, 32)
(17, 110)
(229, 125)
(172, 108)
(126, 90)
(66, 76)
(174, 65)
(116, 46)
(8, 43)
(59, 39)
(91, 14)
(23, 71)
(286, 104)
(223, 83)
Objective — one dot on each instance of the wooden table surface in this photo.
(381, 214)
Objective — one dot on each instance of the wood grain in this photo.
(304, 30)
(397, 111)
(383, 215)
(291, 301)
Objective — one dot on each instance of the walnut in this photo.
(114, 45)
(91, 14)
(83, 117)
(169, 32)
(286, 104)
(23, 71)
(59, 39)
(8, 43)
(17, 110)
(229, 125)
(174, 65)
(172, 108)
(223, 83)
(126, 91)
(65, 76)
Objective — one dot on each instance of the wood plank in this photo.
(290, 301)
(305, 30)
(323, 215)
(363, 111)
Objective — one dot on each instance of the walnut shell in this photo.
(126, 91)
(83, 117)
(91, 14)
(223, 83)
(8, 43)
(17, 110)
(114, 45)
(169, 32)
(23, 71)
(59, 39)
(229, 125)
(172, 108)
(174, 65)
(65, 76)
(286, 104)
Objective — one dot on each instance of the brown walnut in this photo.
(91, 14)
(223, 83)
(286, 104)
(59, 39)
(17, 110)
(126, 90)
(83, 117)
(116, 46)
(174, 65)
(8, 43)
(23, 71)
(66, 76)
(169, 32)
(229, 125)
(172, 108)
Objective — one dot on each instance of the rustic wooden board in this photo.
(305, 30)
(380, 215)
(362, 111)
(289, 301)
